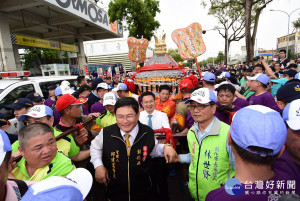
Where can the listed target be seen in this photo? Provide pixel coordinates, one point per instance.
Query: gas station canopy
(59, 20)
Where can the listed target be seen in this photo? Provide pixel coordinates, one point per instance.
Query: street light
(226, 38)
(288, 38)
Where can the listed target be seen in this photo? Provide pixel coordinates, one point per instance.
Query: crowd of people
(237, 128)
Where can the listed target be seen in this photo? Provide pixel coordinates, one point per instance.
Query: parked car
(13, 88)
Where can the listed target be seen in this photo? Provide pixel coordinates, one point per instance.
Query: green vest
(67, 145)
(106, 119)
(212, 169)
(61, 165)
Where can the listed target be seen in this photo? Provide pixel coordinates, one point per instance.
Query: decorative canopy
(161, 59)
(160, 45)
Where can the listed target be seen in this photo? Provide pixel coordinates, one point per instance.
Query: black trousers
(140, 196)
(160, 176)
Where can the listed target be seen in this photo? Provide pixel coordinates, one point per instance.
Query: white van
(13, 88)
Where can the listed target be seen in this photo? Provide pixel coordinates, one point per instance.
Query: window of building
(292, 38)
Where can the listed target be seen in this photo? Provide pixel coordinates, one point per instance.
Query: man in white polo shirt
(151, 117)
(156, 120)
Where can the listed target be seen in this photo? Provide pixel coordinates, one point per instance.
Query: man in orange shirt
(186, 88)
(164, 103)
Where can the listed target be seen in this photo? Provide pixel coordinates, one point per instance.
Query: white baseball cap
(224, 82)
(65, 83)
(291, 114)
(103, 85)
(109, 98)
(63, 89)
(74, 187)
(224, 74)
(202, 96)
(37, 111)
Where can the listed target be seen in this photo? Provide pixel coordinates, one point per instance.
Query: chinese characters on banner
(100, 72)
(137, 49)
(189, 42)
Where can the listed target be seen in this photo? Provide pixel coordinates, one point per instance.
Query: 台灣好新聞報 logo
(233, 187)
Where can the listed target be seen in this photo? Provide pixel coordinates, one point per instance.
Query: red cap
(130, 85)
(194, 80)
(67, 100)
(186, 85)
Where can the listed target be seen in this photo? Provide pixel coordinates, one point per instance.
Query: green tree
(220, 58)
(138, 15)
(191, 62)
(297, 23)
(30, 57)
(37, 56)
(211, 60)
(174, 53)
(65, 57)
(50, 56)
(232, 23)
(202, 63)
(252, 10)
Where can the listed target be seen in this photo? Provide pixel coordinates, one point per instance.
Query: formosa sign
(84, 9)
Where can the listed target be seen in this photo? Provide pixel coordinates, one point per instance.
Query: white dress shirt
(159, 119)
(96, 148)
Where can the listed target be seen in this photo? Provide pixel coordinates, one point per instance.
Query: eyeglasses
(199, 107)
(129, 117)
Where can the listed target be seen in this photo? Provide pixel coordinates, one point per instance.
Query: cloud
(179, 14)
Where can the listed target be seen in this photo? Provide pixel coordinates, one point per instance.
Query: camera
(256, 58)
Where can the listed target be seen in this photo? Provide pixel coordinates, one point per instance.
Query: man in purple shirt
(289, 162)
(239, 102)
(189, 121)
(257, 136)
(101, 89)
(93, 97)
(225, 98)
(258, 84)
(222, 67)
(50, 101)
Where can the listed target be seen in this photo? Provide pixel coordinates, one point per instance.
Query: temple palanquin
(159, 69)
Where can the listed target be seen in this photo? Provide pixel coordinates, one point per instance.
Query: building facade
(111, 51)
(293, 44)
